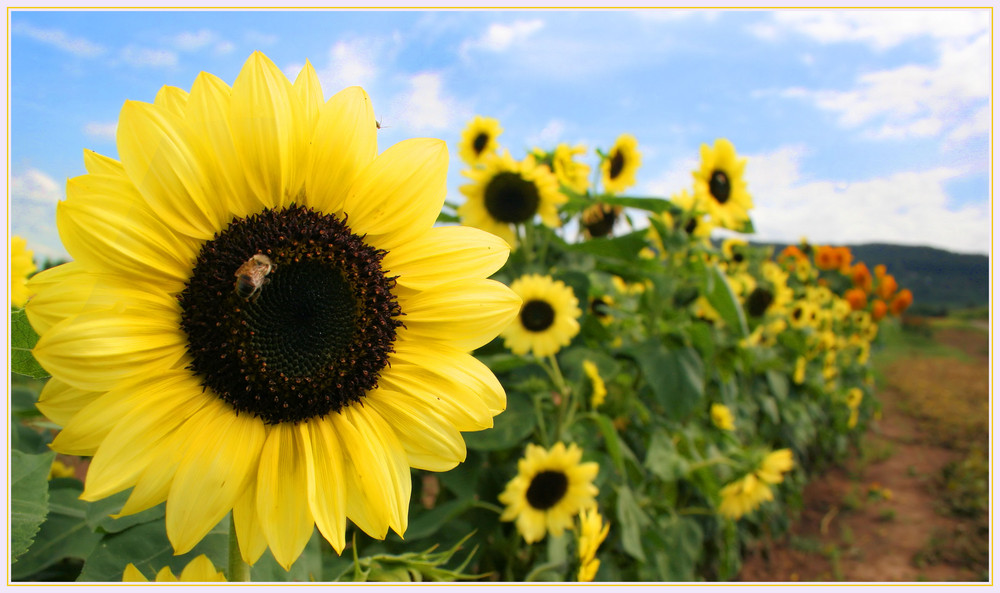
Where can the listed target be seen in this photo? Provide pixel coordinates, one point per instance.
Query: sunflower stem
(541, 420)
(239, 571)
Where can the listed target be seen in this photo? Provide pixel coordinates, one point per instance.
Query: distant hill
(939, 279)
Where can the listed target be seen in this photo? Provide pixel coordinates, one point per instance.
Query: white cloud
(499, 37)
(101, 130)
(257, 38)
(349, 63)
(425, 107)
(142, 57)
(192, 41)
(880, 29)
(33, 197)
(550, 135)
(224, 47)
(906, 208)
(59, 39)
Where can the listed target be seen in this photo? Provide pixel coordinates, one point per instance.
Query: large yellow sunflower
(21, 266)
(719, 182)
(548, 319)
(505, 193)
(550, 489)
(479, 139)
(261, 316)
(623, 160)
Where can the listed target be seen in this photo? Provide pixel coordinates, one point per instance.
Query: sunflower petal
(465, 252)
(310, 93)
(325, 477)
(400, 194)
(431, 442)
(60, 401)
(343, 144)
(217, 468)
(249, 533)
(98, 164)
(172, 99)
(282, 501)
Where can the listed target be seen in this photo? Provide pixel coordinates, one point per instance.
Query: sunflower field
(280, 355)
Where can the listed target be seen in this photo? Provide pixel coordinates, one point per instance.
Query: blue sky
(859, 126)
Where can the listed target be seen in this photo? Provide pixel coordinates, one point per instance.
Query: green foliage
(22, 339)
(29, 498)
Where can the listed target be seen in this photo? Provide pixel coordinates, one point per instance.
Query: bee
(252, 275)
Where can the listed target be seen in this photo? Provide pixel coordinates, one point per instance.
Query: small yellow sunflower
(550, 489)
(623, 160)
(505, 193)
(695, 221)
(599, 220)
(722, 418)
(229, 336)
(598, 390)
(21, 266)
(719, 181)
(593, 531)
(479, 139)
(600, 307)
(854, 397)
(743, 496)
(199, 570)
(571, 173)
(774, 465)
(548, 319)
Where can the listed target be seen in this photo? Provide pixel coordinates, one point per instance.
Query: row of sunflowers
(275, 355)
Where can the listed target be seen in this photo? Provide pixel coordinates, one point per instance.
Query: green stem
(239, 571)
(697, 511)
(710, 462)
(537, 400)
(488, 506)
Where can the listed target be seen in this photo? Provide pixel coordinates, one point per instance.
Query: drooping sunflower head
(259, 305)
(695, 220)
(593, 531)
(479, 139)
(22, 265)
(620, 165)
(570, 172)
(505, 193)
(722, 418)
(599, 220)
(551, 487)
(743, 496)
(719, 181)
(549, 316)
(598, 390)
(774, 465)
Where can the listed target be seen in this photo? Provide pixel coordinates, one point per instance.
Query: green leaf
(632, 521)
(626, 247)
(146, 546)
(656, 205)
(29, 498)
(663, 460)
(64, 534)
(430, 521)
(611, 441)
(778, 382)
(675, 375)
(22, 339)
(510, 427)
(718, 293)
(99, 514)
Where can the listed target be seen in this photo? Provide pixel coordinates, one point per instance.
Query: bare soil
(883, 516)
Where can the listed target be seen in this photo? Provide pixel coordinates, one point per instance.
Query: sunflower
(722, 418)
(572, 174)
(695, 221)
(230, 335)
(901, 302)
(593, 531)
(743, 496)
(199, 570)
(598, 389)
(548, 317)
(599, 220)
(21, 266)
(719, 182)
(550, 488)
(505, 192)
(619, 166)
(479, 139)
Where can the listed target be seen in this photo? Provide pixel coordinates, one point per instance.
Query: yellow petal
(172, 99)
(431, 441)
(168, 162)
(282, 501)
(105, 224)
(388, 480)
(209, 110)
(132, 575)
(98, 164)
(465, 314)
(310, 93)
(201, 570)
(343, 144)
(60, 401)
(465, 253)
(268, 131)
(98, 351)
(47, 307)
(399, 195)
(249, 533)
(216, 470)
(325, 478)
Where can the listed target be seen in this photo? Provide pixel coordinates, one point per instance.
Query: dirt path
(881, 517)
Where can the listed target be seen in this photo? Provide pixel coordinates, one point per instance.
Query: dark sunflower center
(600, 220)
(600, 307)
(719, 187)
(313, 335)
(537, 316)
(547, 489)
(511, 198)
(758, 301)
(738, 257)
(479, 142)
(617, 164)
(692, 225)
